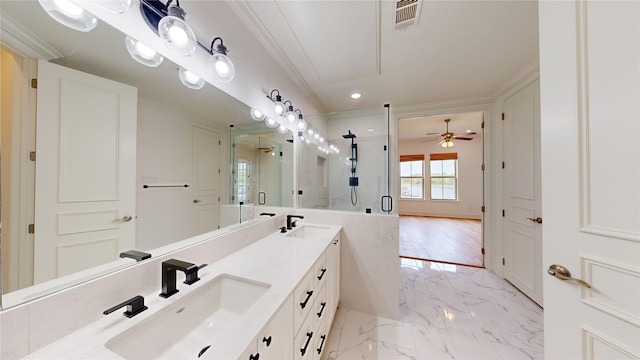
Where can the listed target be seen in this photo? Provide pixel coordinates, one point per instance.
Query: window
(243, 180)
(444, 176)
(411, 176)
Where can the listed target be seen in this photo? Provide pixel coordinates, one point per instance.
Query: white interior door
(85, 171)
(522, 192)
(590, 91)
(205, 180)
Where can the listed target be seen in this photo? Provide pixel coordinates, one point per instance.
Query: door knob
(538, 219)
(196, 201)
(126, 218)
(563, 273)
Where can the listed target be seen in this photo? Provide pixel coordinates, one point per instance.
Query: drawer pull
(322, 274)
(267, 340)
(304, 350)
(254, 357)
(304, 304)
(321, 310)
(323, 337)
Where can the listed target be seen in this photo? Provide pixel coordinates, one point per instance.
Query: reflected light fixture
(176, 33)
(270, 122)
(142, 53)
(115, 6)
(356, 95)
(282, 129)
(257, 115)
(69, 14)
(190, 79)
(278, 106)
(310, 131)
(220, 65)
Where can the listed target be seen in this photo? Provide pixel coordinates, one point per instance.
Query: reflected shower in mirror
(175, 150)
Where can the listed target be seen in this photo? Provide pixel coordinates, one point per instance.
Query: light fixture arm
(277, 98)
(290, 107)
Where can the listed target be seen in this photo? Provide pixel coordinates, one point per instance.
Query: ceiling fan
(447, 137)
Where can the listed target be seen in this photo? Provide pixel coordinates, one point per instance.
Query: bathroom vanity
(273, 299)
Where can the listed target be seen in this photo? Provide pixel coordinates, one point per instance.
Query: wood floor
(457, 241)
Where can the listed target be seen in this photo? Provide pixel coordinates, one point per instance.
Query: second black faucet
(292, 224)
(169, 269)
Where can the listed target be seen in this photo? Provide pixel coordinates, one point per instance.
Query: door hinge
(218, 198)
(34, 83)
(502, 212)
(503, 164)
(218, 171)
(219, 142)
(32, 155)
(482, 250)
(502, 116)
(503, 262)
(483, 209)
(482, 167)
(482, 125)
(31, 229)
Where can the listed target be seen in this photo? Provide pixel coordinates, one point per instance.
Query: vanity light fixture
(282, 129)
(257, 115)
(270, 122)
(174, 30)
(290, 115)
(142, 53)
(115, 6)
(190, 79)
(321, 139)
(310, 131)
(278, 106)
(301, 125)
(220, 65)
(69, 14)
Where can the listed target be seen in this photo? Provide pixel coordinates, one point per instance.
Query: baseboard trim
(443, 262)
(462, 217)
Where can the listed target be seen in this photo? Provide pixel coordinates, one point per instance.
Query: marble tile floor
(446, 312)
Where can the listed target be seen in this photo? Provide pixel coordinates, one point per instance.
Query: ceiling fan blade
(427, 140)
(462, 138)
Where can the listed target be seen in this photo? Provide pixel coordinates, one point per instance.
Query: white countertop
(276, 259)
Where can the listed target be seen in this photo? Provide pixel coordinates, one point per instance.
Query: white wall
(163, 215)
(469, 203)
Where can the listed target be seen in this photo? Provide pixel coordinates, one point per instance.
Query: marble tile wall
(446, 312)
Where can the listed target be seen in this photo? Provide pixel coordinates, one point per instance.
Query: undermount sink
(188, 327)
(309, 231)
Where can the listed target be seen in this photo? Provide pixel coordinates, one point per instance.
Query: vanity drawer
(303, 345)
(320, 307)
(304, 297)
(320, 338)
(320, 271)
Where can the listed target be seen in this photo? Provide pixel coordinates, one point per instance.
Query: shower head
(349, 135)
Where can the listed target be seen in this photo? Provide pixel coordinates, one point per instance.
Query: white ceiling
(458, 49)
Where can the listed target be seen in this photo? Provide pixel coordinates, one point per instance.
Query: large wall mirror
(178, 164)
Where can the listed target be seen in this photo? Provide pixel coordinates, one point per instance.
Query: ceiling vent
(407, 13)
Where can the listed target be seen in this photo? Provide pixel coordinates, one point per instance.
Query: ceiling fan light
(190, 79)
(447, 144)
(176, 33)
(69, 14)
(142, 53)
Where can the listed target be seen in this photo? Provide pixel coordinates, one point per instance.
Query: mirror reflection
(126, 157)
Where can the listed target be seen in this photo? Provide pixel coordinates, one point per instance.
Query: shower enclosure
(350, 170)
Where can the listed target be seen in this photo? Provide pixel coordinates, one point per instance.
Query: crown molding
(20, 40)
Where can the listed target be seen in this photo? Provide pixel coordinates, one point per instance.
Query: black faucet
(268, 214)
(292, 224)
(135, 306)
(169, 268)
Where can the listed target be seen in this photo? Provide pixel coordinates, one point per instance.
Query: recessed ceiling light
(369, 130)
(356, 95)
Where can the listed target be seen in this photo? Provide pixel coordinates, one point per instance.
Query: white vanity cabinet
(333, 280)
(275, 340)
